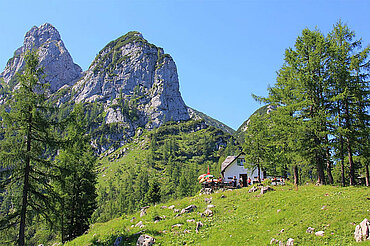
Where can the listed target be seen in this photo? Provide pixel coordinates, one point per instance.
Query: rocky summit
(129, 70)
(130, 84)
(58, 64)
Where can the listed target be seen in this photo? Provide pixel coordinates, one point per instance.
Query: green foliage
(76, 186)
(321, 95)
(173, 156)
(28, 139)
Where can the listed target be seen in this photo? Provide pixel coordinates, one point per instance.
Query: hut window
(240, 162)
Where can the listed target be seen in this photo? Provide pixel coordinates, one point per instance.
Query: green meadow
(242, 218)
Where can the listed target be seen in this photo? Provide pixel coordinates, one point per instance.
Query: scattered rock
(362, 231)
(210, 206)
(190, 221)
(118, 241)
(279, 210)
(208, 200)
(163, 207)
(176, 225)
(176, 210)
(171, 207)
(253, 189)
(143, 211)
(290, 242)
(323, 207)
(265, 189)
(188, 209)
(186, 231)
(282, 230)
(223, 196)
(310, 230)
(132, 220)
(157, 218)
(145, 240)
(139, 224)
(198, 226)
(320, 233)
(206, 191)
(207, 213)
(275, 241)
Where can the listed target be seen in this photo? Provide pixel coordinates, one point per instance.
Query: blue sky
(224, 50)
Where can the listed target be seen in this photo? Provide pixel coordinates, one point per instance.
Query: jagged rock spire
(59, 67)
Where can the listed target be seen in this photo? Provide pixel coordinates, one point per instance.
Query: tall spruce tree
(28, 141)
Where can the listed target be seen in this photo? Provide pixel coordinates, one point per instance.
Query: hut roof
(228, 161)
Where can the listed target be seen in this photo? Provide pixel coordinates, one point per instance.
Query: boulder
(210, 206)
(265, 189)
(176, 225)
(310, 230)
(362, 231)
(139, 224)
(290, 242)
(198, 226)
(207, 213)
(320, 233)
(253, 189)
(188, 209)
(145, 240)
(208, 200)
(143, 211)
(171, 207)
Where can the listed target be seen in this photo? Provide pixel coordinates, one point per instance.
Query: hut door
(244, 178)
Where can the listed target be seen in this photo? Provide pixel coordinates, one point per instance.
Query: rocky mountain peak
(132, 70)
(58, 64)
(40, 35)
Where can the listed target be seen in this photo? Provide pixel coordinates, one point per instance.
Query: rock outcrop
(58, 64)
(130, 72)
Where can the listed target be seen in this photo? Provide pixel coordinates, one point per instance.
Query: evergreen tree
(28, 141)
(153, 195)
(76, 186)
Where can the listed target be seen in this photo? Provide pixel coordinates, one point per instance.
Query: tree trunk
(328, 166)
(342, 161)
(296, 177)
(259, 172)
(351, 164)
(319, 164)
(27, 168)
(349, 148)
(367, 175)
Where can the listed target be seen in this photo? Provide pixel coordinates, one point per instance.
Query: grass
(242, 218)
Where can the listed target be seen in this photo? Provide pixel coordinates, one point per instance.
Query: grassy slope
(243, 218)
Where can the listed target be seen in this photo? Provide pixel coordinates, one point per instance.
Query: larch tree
(27, 143)
(349, 72)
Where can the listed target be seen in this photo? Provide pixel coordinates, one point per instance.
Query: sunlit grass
(242, 218)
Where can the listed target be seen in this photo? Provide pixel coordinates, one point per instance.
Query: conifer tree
(28, 141)
(349, 73)
(77, 179)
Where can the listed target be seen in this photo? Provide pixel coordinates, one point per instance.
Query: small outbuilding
(235, 166)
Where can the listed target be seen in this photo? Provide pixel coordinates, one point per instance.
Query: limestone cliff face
(54, 57)
(131, 73)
